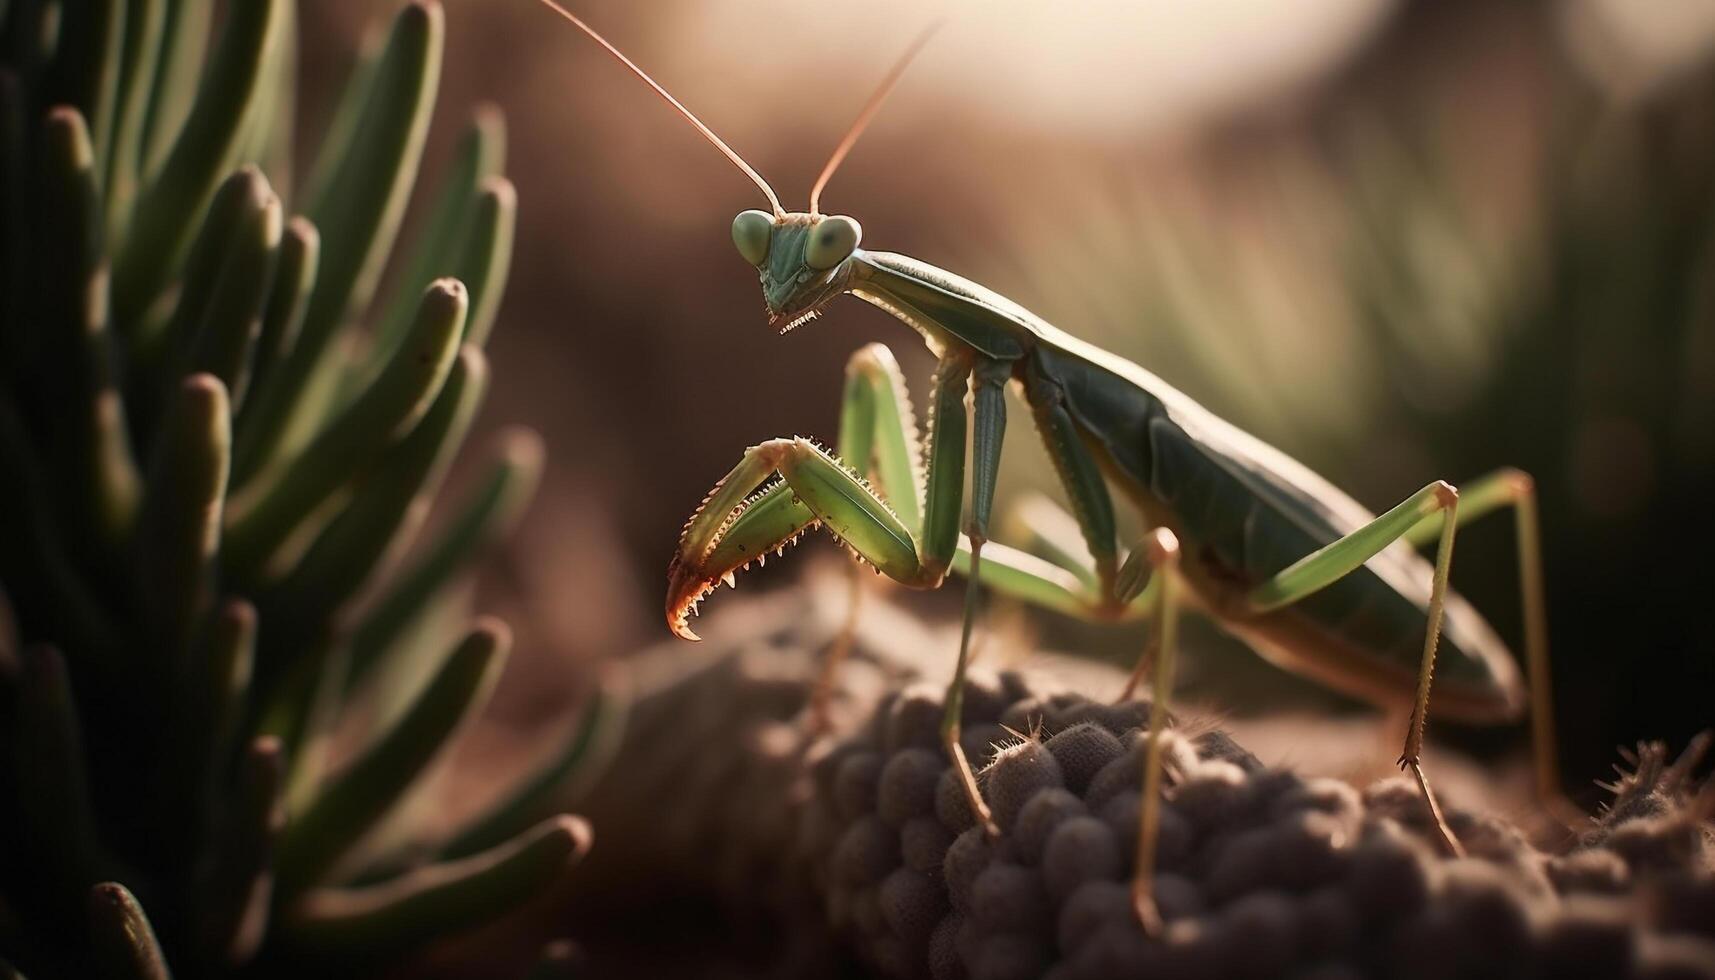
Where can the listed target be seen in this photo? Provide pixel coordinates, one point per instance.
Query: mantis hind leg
(1515, 489)
(1438, 501)
(1434, 514)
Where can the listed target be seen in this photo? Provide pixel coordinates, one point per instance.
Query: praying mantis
(1270, 551)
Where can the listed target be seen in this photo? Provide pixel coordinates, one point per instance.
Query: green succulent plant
(213, 475)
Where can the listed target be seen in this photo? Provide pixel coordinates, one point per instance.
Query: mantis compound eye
(831, 240)
(751, 231)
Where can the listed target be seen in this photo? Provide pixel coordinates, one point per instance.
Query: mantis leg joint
(1446, 494)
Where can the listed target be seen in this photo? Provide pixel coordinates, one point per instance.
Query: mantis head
(804, 260)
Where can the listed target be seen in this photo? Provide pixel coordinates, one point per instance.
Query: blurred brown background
(1402, 241)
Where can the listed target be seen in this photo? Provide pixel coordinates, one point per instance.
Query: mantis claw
(683, 594)
(689, 583)
(728, 532)
(803, 486)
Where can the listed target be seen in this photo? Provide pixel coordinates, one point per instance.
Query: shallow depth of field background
(1401, 241)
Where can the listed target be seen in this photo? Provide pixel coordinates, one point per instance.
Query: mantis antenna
(882, 91)
(690, 117)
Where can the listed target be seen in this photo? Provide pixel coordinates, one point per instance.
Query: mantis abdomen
(1245, 513)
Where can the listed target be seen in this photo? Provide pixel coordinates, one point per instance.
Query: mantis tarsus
(1269, 550)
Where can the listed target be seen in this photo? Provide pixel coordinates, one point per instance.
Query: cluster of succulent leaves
(217, 443)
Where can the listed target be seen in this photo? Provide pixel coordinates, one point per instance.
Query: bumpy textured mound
(864, 838)
(1262, 873)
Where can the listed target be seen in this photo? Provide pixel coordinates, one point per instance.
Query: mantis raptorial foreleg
(816, 487)
(905, 525)
(879, 440)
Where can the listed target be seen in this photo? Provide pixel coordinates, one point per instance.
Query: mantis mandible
(1273, 553)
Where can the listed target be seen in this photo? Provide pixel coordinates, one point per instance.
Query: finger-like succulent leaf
(238, 891)
(224, 681)
(77, 410)
(273, 128)
(86, 64)
(382, 919)
(66, 233)
(387, 507)
(229, 328)
(202, 733)
(122, 940)
(52, 781)
(359, 206)
(205, 149)
(53, 598)
(262, 418)
(144, 22)
(288, 296)
(487, 255)
(357, 797)
(486, 515)
(480, 155)
(296, 689)
(269, 511)
(216, 318)
(157, 342)
(184, 35)
(178, 530)
(593, 736)
(342, 133)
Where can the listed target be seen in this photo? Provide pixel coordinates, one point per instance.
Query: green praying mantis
(1272, 552)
